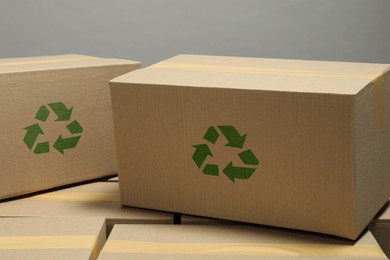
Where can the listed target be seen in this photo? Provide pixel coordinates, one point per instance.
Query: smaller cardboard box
(289, 143)
(99, 199)
(51, 238)
(56, 121)
(231, 242)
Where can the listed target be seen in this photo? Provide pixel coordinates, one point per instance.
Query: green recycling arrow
(248, 157)
(234, 139)
(61, 144)
(211, 135)
(42, 148)
(233, 172)
(232, 135)
(62, 112)
(211, 169)
(66, 143)
(42, 114)
(201, 153)
(75, 127)
(33, 131)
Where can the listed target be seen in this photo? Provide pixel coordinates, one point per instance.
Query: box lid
(56, 62)
(258, 74)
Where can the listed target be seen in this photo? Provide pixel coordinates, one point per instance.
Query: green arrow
(211, 135)
(75, 127)
(42, 114)
(33, 131)
(248, 157)
(211, 169)
(42, 148)
(62, 112)
(232, 135)
(201, 153)
(233, 172)
(66, 143)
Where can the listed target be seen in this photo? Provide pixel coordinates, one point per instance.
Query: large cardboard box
(231, 242)
(100, 199)
(51, 238)
(289, 143)
(56, 121)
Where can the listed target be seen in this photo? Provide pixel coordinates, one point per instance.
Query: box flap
(69, 61)
(260, 74)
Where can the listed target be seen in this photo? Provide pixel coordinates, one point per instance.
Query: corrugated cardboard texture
(81, 84)
(99, 199)
(300, 121)
(51, 238)
(231, 242)
(372, 149)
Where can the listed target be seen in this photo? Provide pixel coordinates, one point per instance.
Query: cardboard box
(99, 199)
(51, 238)
(56, 121)
(231, 242)
(289, 143)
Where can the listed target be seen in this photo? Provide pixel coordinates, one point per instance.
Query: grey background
(149, 31)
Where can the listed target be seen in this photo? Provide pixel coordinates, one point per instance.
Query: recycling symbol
(61, 144)
(234, 140)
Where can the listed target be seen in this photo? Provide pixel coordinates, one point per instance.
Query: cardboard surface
(56, 121)
(298, 144)
(231, 242)
(100, 199)
(51, 238)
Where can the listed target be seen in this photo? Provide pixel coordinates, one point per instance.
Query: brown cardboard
(100, 199)
(51, 238)
(319, 130)
(231, 242)
(76, 86)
